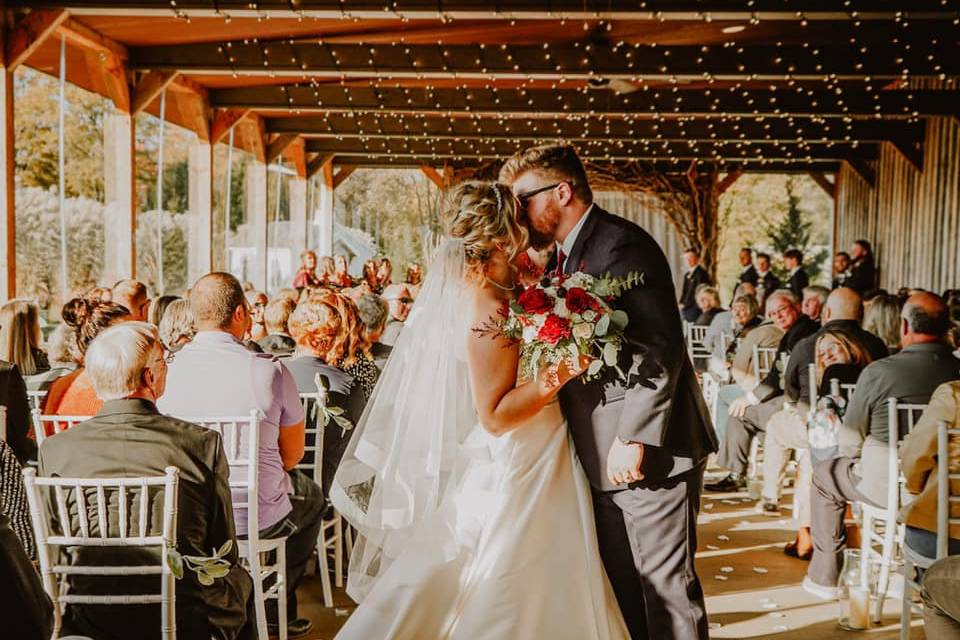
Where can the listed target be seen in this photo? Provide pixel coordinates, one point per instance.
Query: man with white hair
(130, 438)
(132, 294)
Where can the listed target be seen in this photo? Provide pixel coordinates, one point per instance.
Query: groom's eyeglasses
(524, 197)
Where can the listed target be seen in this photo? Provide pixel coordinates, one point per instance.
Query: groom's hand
(624, 461)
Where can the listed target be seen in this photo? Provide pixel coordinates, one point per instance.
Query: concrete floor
(760, 597)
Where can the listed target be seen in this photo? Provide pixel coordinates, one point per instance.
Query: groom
(643, 443)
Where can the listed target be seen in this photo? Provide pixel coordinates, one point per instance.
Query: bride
(474, 516)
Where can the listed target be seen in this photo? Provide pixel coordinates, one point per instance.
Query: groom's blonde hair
(555, 162)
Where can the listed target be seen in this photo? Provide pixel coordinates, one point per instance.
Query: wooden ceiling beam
(279, 145)
(824, 183)
(30, 33)
(659, 10)
(554, 61)
(83, 36)
(223, 121)
(296, 153)
(595, 103)
(433, 175)
(256, 136)
(150, 86)
(317, 163)
(342, 174)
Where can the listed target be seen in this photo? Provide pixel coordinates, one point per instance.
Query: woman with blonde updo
(447, 508)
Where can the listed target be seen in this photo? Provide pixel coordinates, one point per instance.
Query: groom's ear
(564, 193)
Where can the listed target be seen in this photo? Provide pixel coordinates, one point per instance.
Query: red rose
(534, 300)
(578, 300)
(554, 329)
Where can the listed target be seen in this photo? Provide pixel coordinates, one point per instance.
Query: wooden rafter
(279, 145)
(343, 172)
(824, 183)
(318, 162)
(223, 121)
(149, 87)
(728, 181)
(432, 174)
(256, 136)
(30, 33)
(296, 153)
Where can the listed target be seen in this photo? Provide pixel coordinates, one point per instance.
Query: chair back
(844, 390)
(812, 382)
(241, 444)
(3, 422)
(91, 498)
(901, 420)
(36, 398)
(694, 336)
(763, 359)
(314, 402)
(945, 495)
(57, 424)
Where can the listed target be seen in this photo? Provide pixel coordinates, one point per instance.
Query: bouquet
(563, 317)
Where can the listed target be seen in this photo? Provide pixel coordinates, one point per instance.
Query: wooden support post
(728, 181)
(8, 212)
(148, 88)
(256, 136)
(824, 183)
(119, 164)
(279, 145)
(200, 187)
(325, 210)
(433, 175)
(318, 163)
(224, 121)
(255, 190)
(343, 173)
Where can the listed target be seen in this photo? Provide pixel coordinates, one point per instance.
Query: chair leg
(866, 535)
(885, 563)
(905, 604)
(281, 570)
(323, 566)
(253, 563)
(338, 550)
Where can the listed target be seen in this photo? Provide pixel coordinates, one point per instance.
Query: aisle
(760, 596)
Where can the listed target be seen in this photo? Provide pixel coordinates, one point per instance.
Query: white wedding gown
(512, 556)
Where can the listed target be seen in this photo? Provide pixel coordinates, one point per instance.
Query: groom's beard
(538, 240)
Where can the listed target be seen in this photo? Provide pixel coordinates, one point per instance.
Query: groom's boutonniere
(566, 316)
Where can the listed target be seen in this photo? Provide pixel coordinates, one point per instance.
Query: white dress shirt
(567, 245)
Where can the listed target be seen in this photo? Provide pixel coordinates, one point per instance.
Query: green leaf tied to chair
(207, 568)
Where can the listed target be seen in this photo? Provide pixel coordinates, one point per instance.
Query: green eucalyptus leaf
(610, 355)
(225, 548)
(619, 319)
(175, 562)
(594, 368)
(603, 325)
(204, 579)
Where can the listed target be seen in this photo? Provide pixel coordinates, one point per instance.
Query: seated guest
(882, 319)
(399, 301)
(20, 337)
(385, 274)
(130, 438)
(767, 282)
(369, 276)
(814, 297)
(59, 356)
(257, 301)
(99, 294)
(841, 270)
(351, 355)
(798, 279)
(306, 276)
(750, 413)
(695, 276)
(918, 459)
(132, 295)
(708, 301)
(290, 294)
(940, 592)
(341, 272)
(13, 504)
(215, 375)
(25, 608)
(176, 328)
(275, 317)
(374, 313)
(860, 473)
(158, 308)
(414, 278)
(73, 394)
(725, 323)
(320, 336)
(326, 268)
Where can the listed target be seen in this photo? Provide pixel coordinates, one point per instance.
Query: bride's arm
(502, 405)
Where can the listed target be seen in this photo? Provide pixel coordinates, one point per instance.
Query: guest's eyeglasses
(524, 198)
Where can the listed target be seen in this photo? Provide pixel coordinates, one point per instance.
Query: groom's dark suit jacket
(661, 404)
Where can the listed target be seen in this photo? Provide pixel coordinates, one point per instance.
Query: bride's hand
(553, 377)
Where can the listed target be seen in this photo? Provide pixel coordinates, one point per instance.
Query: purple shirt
(216, 376)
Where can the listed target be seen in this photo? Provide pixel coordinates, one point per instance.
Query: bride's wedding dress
(526, 562)
(464, 535)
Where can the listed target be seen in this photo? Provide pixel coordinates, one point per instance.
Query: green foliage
(793, 231)
(175, 235)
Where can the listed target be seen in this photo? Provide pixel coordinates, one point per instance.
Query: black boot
(730, 483)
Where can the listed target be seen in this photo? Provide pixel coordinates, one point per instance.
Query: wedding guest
(940, 592)
(320, 336)
(798, 279)
(814, 297)
(385, 274)
(341, 274)
(25, 608)
(275, 317)
(841, 270)
(306, 275)
(290, 294)
(374, 313)
(724, 322)
(127, 368)
(919, 461)
(767, 282)
(158, 307)
(59, 356)
(176, 328)
(13, 396)
(750, 413)
(99, 294)
(235, 381)
(370, 269)
(860, 472)
(882, 319)
(695, 276)
(863, 272)
(748, 273)
(73, 394)
(708, 300)
(132, 294)
(399, 302)
(20, 337)
(350, 354)
(414, 278)
(326, 268)
(258, 303)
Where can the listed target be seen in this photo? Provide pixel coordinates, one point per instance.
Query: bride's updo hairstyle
(484, 216)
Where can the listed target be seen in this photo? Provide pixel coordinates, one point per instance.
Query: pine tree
(793, 232)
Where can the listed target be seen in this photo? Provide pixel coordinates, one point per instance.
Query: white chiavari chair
(881, 534)
(3, 422)
(763, 360)
(946, 499)
(92, 528)
(695, 335)
(56, 424)
(241, 444)
(36, 398)
(331, 538)
(844, 390)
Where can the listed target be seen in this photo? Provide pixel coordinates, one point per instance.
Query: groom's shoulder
(619, 229)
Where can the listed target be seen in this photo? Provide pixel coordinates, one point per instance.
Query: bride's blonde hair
(484, 216)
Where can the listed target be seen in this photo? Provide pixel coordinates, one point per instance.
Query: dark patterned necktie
(561, 261)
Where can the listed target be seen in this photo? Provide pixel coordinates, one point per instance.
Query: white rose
(529, 333)
(582, 331)
(560, 308)
(589, 315)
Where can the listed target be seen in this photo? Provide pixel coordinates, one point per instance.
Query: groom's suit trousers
(648, 541)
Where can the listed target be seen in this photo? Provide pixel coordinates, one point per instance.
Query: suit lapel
(576, 253)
